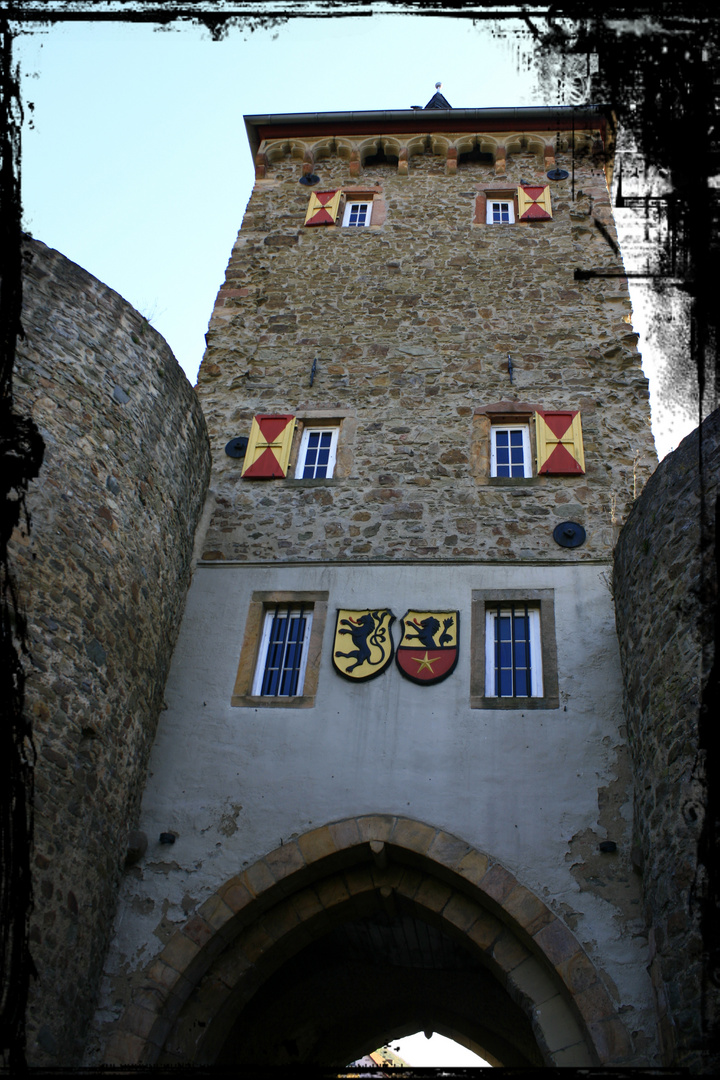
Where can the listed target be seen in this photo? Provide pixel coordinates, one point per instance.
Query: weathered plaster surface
(232, 783)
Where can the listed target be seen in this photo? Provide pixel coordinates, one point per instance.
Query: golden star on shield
(424, 662)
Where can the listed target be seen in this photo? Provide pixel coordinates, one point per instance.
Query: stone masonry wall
(103, 578)
(661, 604)
(422, 308)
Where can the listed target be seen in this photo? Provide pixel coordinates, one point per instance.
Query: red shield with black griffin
(428, 649)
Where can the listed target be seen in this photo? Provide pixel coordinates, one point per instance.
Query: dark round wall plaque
(237, 447)
(569, 534)
(558, 174)
(309, 179)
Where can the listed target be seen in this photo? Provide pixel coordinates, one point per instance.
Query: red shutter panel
(268, 451)
(534, 202)
(323, 208)
(559, 443)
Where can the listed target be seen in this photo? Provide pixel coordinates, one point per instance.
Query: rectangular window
(283, 652)
(513, 658)
(357, 213)
(280, 657)
(513, 654)
(510, 451)
(499, 211)
(316, 457)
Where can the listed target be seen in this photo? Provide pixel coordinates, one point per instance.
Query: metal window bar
(284, 653)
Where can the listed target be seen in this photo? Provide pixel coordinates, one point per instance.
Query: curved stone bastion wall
(665, 585)
(103, 577)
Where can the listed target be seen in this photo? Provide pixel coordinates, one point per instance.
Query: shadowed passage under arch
(364, 930)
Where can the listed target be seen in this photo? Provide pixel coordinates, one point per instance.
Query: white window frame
(290, 611)
(302, 452)
(489, 217)
(527, 459)
(348, 212)
(536, 678)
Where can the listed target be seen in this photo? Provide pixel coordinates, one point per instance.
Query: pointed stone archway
(363, 930)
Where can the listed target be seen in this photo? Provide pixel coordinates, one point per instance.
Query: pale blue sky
(135, 158)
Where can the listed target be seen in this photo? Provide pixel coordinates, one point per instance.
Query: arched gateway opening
(361, 931)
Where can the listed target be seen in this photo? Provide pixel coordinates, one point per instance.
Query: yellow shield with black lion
(362, 646)
(428, 649)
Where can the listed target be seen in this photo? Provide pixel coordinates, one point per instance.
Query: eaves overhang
(409, 121)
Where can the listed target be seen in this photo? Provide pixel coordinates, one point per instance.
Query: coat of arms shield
(428, 649)
(362, 646)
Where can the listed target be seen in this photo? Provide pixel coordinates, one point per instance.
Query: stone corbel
(451, 162)
(261, 165)
(355, 165)
(308, 165)
(549, 156)
(500, 159)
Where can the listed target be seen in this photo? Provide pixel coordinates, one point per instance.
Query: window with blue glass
(316, 457)
(510, 451)
(282, 658)
(357, 213)
(513, 660)
(500, 211)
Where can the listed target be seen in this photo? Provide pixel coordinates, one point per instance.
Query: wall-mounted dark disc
(308, 179)
(569, 534)
(558, 174)
(237, 447)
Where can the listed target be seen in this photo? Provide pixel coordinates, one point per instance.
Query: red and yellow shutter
(323, 208)
(559, 443)
(534, 203)
(268, 450)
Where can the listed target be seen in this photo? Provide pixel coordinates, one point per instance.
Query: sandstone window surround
(500, 211)
(281, 651)
(533, 616)
(487, 421)
(357, 214)
(341, 422)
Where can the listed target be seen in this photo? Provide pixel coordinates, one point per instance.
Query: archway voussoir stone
(361, 879)
(331, 892)
(409, 883)
(138, 1021)
(433, 894)
(280, 920)
(558, 1026)
(448, 850)
(165, 980)
(485, 931)
(216, 912)
(306, 903)
(316, 845)
(578, 974)
(412, 835)
(460, 911)
(556, 942)
(285, 860)
(198, 930)
(508, 952)
(594, 1003)
(376, 826)
(235, 894)
(258, 878)
(573, 1057)
(530, 980)
(498, 883)
(179, 952)
(527, 910)
(345, 834)
(473, 867)
(256, 941)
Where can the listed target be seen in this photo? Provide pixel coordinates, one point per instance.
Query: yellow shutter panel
(268, 450)
(323, 208)
(534, 202)
(559, 443)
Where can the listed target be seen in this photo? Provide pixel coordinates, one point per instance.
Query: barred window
(513, 658)
(282, 658)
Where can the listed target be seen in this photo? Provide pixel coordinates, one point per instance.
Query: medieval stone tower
(390, 788)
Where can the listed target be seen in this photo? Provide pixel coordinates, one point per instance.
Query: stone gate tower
(391, 789)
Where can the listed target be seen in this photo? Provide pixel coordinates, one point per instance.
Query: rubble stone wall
(103, 576)
(665, 587)
(425, 306)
